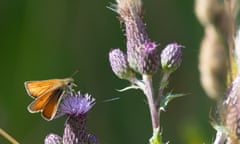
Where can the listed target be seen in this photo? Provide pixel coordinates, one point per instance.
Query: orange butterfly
(47, 95)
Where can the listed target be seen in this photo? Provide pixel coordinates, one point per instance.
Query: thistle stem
(163, 85)
(75, 130)
(148, 91)
(220, 138)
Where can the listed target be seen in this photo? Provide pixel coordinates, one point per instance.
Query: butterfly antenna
(74, 73)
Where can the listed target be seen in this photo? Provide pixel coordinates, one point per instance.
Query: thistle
(142, 53)
(171, 57)
(119, 64)
(76, 107)
(143, 58)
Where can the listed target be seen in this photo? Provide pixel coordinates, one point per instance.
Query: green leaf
(166, 99)
(129, 87)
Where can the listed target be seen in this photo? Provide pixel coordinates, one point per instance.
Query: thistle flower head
(119, 64)
(76, 104)
(142, 54)
(145, 59)
(126, 7)
(76, 107)
(171, 57)
(130, 12)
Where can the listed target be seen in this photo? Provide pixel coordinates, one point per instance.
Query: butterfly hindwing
(51, 106)
(38, 104)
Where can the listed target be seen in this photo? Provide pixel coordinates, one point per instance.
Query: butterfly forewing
(38, 88)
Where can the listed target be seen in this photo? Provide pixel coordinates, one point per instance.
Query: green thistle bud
(171, 57)
(119, 64)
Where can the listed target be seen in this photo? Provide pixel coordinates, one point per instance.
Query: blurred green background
(44, 39)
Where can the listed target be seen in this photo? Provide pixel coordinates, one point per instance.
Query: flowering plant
(143, 59)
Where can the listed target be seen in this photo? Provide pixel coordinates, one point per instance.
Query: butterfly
(47, 95)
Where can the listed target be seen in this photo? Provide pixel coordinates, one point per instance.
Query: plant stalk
(162, 86)
(155, 116)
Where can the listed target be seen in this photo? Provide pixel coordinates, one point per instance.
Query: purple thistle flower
(171, 57)
(76, 107)
(119, 64)
(142, 54)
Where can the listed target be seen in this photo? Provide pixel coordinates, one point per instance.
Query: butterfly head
(69, 83)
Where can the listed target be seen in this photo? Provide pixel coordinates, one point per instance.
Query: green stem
(163, 85)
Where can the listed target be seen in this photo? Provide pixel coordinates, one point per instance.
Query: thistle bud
(171, 57)
(53, 139)
(92, 139)
(142, 54)
(145, 60)
(119, 64)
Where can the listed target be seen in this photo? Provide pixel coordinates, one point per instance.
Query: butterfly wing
(39, 103)
(39, 88)
(51, 106)
(47, 95)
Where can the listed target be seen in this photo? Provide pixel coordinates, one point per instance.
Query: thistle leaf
(166, 99)
(128, 88)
